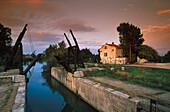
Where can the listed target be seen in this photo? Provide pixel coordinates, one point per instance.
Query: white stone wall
(102, 98)
(107, 60)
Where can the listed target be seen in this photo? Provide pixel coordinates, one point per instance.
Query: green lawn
(151, 77)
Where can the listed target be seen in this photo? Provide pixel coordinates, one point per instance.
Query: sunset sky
(93, 22)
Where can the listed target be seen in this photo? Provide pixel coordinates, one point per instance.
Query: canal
(45, 94)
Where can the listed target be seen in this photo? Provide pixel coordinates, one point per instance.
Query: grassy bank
(151, 77)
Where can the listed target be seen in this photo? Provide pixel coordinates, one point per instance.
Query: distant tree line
(61, 50)
(5, 44)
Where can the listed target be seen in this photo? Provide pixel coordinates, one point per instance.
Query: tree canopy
(51, 51)
(5, 43)
(167, 57)
(130, 38)
(86, 55)
(148, 53)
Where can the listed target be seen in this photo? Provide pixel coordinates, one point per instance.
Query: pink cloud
(163, 12)
(161, 3)
(30, 11)
(158, 37)
(130, 5)
(75, 25)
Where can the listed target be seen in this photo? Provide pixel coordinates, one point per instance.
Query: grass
(150, 77)
(1, 68)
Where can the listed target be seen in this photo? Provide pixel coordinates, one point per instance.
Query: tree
(130, 38)
(51, 51)
(5, 43)
(148, 53)
(167, 57)
(86, 55)
(33, 55)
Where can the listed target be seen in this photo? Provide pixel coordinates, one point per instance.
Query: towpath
(154, 65)
(135, 90)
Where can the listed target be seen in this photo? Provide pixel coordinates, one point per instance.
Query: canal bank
(103, 98)
(12, 91)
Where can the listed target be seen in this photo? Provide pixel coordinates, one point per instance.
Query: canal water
(45, 94)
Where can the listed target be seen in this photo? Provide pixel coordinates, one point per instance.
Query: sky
(93, 22)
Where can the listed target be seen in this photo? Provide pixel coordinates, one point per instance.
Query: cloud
(162, 3)
(30, 11)
(32, 2)
(124, 9)
(163, 12)
(91, 44)
(40, 40)
(158, 37)
(44, 37)
(11, 21)
(130, 5)
(75, 25)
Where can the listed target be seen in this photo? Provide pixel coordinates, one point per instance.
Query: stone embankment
(18, 82)
(103, 98)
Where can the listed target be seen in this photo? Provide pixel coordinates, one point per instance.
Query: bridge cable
(30, 41)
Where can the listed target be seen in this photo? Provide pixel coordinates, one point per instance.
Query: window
(105, 47)
(105, 54)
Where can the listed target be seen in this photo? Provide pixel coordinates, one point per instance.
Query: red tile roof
(114, 45)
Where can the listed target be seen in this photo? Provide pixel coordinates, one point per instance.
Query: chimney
(112, 43)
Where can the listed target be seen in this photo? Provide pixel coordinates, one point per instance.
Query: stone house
(112, 54)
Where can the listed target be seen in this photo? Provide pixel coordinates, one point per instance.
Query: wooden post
(21, 59)
(78, 56)
(71, 48)
(130, 53)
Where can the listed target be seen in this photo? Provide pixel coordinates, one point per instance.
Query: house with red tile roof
(112, 54)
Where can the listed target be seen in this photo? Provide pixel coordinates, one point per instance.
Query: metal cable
(30, 40)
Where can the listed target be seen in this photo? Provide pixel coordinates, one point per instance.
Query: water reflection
(73, 102)
(45, 94)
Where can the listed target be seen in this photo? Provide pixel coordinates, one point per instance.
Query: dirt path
(154, 65)
(135, 90)
(8, 92)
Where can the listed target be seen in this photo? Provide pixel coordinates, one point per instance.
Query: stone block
(19, 78)
(112, 69)
(18, 110)
(123, 68)
(86, 66)
(20, 98)
(96, 64)
(2, 73)
(78, 74)
(69, 76)
(12, 72)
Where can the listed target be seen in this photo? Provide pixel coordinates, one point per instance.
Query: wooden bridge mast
(18, 43)
(76, 55)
